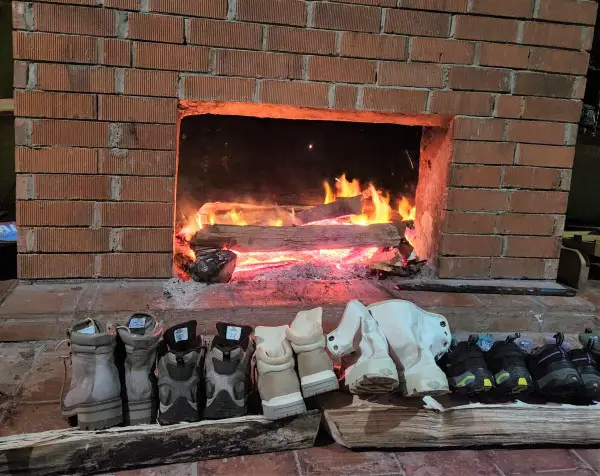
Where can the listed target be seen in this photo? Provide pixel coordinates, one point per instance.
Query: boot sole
(224, 406)
(284, 406)
(416, 385)
(321, 382)
(96, 416)
(138, 413)
(373, 376)
(181, 410)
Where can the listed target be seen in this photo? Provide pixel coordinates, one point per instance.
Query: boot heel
(422, 380)
(284, 406)
(316, 384)
(372, 376)
(138, 413)
(100, 416)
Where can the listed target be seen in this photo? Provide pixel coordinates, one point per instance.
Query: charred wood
(340, 208)
(295, 238)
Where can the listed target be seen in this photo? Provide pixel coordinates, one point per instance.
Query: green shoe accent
(501, 376)
(465, 380)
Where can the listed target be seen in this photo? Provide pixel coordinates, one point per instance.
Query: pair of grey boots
(112, 379)
(115, 373)
(203, 378)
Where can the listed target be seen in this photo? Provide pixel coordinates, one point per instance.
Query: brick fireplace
(100, 87)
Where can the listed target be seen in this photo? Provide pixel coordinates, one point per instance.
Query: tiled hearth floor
(31, 373)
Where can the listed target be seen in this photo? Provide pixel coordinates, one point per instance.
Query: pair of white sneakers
(398, 345)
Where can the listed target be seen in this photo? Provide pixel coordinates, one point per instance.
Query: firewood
(250, 213)
(72, 451)
(341, 207)
(212, 266)
(295, 238)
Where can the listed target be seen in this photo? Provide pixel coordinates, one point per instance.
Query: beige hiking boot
(314, 365)
(95, 391)
(278, 384)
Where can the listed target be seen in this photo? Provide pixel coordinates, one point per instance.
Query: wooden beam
(295, 238)
(84, 452)
(394, 422)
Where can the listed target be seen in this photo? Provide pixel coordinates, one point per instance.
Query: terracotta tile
(125, 296)
(446, 463)
(277, 464)
(528, 461)
(575, 303)
(428, 299)
(590, 455)
(23, 418)
(45, 380)
(15, 362)
(183, 469)
(337, 460)
(498, 300)
(42, 299)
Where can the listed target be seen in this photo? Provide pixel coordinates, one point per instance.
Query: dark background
(234, 158)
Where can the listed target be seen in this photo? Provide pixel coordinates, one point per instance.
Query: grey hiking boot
(227, 372)
(138, 342)
(180, 368)
(95, 393)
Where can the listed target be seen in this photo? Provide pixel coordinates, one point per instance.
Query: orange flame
(406, 210)
(376, 209)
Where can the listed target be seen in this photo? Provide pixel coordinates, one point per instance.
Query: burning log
(221, 212)
(295, 238)
(341, 207)
(210, 266)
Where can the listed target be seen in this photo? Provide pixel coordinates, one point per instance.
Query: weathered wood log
(394, 422)
(212, 265)
(85, 452)
(290, 238)
(341, 207)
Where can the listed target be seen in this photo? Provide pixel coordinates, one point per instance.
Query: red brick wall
(98, 83)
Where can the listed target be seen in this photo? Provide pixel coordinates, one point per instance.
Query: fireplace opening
(265, 198)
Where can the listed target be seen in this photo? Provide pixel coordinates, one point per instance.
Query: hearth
(276, 198)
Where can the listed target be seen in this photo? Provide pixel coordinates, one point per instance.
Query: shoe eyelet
(335, 347)
(330, 338)
(443, 324)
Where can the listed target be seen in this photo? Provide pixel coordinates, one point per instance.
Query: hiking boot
(180, 367)
(506, 361)
(373, 371)
(417, 338)
(587, 367)
(95, 392)
(227, 372)
(591, 340)
(278, 383)
(553, 372)
(139, 341)
(308, 342)
(467, 369)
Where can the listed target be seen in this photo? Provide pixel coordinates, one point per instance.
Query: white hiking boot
(314, 365)
(278, 384)
(374, 371)
(416, 339)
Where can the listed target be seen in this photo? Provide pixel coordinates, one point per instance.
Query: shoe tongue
(232, 335)
(182, 337)
(139, 323)
(88, 327)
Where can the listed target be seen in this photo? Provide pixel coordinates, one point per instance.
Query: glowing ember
(376, 209)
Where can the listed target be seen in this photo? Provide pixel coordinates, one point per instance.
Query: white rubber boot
(416, 339)
(314, 365)
(278, 384)
(374, 371)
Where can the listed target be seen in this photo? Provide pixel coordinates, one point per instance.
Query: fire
(406, 210)
(377, 208)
